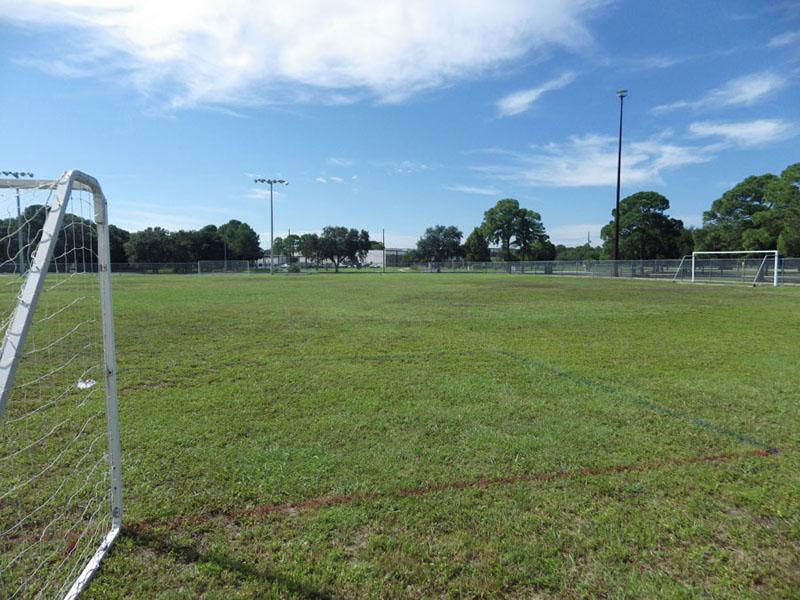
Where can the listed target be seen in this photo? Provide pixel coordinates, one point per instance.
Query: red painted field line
(329, 501)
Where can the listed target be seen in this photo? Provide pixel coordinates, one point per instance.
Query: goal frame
(17, 330)
(765, 253)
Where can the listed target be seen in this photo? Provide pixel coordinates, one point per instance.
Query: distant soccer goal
(753, 267)
(208, 267)
(60, 471)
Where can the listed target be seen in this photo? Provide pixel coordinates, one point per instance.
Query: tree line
(517, 231)
(762, 212)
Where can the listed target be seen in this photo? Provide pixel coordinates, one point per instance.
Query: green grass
(583, 408)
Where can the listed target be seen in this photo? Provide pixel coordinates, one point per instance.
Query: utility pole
(271, 182)
(621, 94)
(17, 175)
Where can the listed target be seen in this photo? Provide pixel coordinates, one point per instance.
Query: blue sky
(398, 114)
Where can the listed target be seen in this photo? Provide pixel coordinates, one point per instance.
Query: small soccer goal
(60, 472)
(752, 267)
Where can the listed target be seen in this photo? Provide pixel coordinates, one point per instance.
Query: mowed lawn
(437, 435)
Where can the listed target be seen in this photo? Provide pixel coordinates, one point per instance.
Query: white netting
(54, 477)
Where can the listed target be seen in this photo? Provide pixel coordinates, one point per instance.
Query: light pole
(17, 175)
(271, 182)
(621, 94)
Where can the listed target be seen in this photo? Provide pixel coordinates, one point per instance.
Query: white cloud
(321, 180)
(745, 133)
(785, 39)
(338, 161)
(519, 102)
(742, 91)
(591, 160)
(576, 235)
(335, 179)
(249, 51)
(402, 167)
(469, 189)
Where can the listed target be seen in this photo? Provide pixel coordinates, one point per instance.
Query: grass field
(455, 435)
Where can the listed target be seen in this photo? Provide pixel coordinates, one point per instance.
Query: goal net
(60, 483)
(754, 267)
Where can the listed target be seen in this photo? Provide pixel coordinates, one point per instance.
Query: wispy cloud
(745, 133)
(521, 101)
(335, 179)
(338, 161)
(591, 160)
(253, 52)
(742, 91)
(401, 167)
(576, 235)
(321, 180)
(785, 39)
(469, 189)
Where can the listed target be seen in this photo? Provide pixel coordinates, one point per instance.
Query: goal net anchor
(51, 411)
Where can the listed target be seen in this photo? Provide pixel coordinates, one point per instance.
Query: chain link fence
(708, 270)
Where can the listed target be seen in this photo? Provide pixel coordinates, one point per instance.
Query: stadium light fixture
(270, 183)
(18, 175)
(621, 94)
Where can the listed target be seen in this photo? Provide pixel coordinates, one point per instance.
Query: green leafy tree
(309, 247)
(645, 231)
(277, 247)
(742, 218)
(500, 225)
(338, 244)
(530, 236)
(117, 238)
(151, 245)
(241, 239)
(585, 252)
(291, 245)
(208, 245)
(476, 248)
(440, 243)
(784, 195)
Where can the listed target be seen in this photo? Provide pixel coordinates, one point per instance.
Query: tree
(440, 243)
(208, 245)
(241, 239)
(117, 238)
(277, 247)
(151, 245)
(340, 243)
(291, 245)
(740, 218)
(645, 231)
(499, 225)
(585, 252)
(309, 246)
(476, 248)
(784, 195)
(530, 237)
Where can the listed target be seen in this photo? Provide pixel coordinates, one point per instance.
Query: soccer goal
(746, 266)
(60, 478)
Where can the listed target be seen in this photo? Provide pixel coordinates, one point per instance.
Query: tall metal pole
(383, 241)
(271, 233)
(19, 238)
(271, 182)
(621, 94)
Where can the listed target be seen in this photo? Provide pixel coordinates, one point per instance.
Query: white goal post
(768, 256)
(60, 459)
